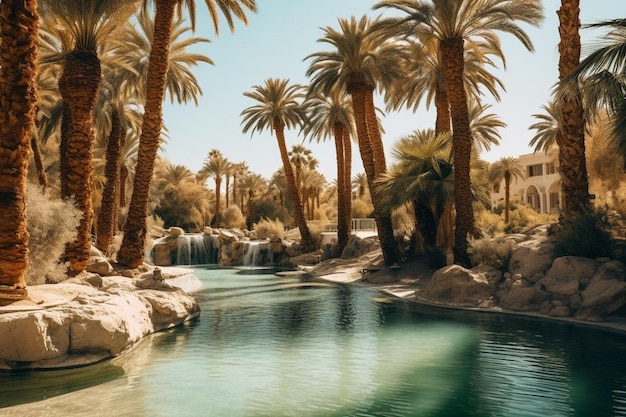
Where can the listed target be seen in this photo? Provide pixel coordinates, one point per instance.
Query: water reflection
(268, 345)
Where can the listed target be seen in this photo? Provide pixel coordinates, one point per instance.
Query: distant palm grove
(82, 88)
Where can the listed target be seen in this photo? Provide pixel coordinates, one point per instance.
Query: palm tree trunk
(373, 128)
(41, 172)
(298, 211)
(18, 60)
(132, 251)
(347, 153)
(105, 227)
(218, 186)
(359, 91)
(571, 136)
(342, 224)
(452, 54)
(227, 193)
(79, 86)
(507, 196)
(442, 123)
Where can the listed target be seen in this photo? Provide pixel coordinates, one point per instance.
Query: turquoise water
(269, 345)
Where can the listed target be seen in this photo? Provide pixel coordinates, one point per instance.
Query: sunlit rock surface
(75, 323)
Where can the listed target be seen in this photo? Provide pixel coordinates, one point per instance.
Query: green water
(268, 345)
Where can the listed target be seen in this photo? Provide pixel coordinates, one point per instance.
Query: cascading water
(196, 249)
(256, 253)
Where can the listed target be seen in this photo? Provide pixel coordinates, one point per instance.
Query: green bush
(51, 223)
(587, 235)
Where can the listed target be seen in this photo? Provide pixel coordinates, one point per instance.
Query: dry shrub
(267, 228)
(51, 223)
(361, 209)
(232, 217)
(493, 252)
(490, 224)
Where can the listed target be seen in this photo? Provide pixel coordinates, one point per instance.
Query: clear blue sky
(284, 32)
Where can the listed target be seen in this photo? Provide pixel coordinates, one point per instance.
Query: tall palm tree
(571, 136)
(215, 165)
(360, 61)
(506, 169)
(90, 24)
(484, 127)
(18, 98)
(278, 106)
(453, 23)
(424, 78)
(132, 250)
(333, 116)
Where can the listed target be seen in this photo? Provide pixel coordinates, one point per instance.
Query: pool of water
(270, 345)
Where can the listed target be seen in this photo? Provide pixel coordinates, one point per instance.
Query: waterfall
(256, 253)
(196, 249)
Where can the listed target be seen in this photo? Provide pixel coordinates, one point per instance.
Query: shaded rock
(602, 298)
(457, 286)
(532, 258)
(522, 298)
(358, 246)
(492, 274)
(560, 311)
(568, 275)
(610, 270)
(100, 266)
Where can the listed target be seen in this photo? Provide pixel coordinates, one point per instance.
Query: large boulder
(90, 324)
(569, 275)
(522, 298)
(602, 297)
(532, 258)
(454, 285)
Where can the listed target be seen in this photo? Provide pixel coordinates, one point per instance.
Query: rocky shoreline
(90, 318)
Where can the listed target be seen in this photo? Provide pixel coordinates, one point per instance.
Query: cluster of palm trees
(78, 59)
(91, 55)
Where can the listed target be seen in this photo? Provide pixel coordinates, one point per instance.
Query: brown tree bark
(131, 252)
(18, 59)
(78, 85)
(571, 135)
(453, 64)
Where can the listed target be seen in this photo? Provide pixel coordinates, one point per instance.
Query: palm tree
(507, 169)
(423, 177)
(333, 116)
(239, 170)
(215, 165)
(359, 183)
(279, 107)
(299, 156)
(571, 136)
(484, 127)
(362, 60)
(18, 61)
(547, 128)
(424, 78)
(132, 250)
(90, 24)
(250, 184)
(453, 23)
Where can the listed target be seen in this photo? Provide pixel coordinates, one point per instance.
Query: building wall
(539, 189)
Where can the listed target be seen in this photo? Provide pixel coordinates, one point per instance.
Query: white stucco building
(540, 188)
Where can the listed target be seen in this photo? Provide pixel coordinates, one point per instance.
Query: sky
(283, 33)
